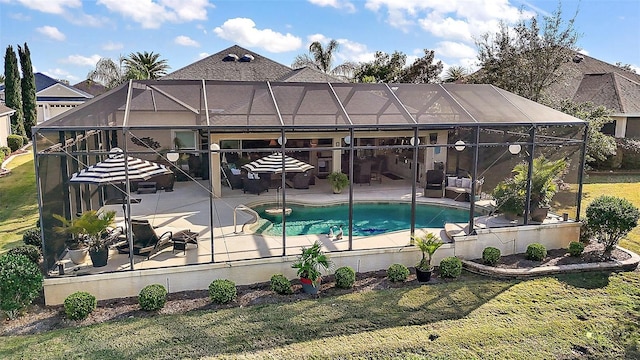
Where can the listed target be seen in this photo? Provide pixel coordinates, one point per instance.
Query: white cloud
(51, 6)
(636, 69)
(51, 32)
(112, 46)
(58, 73)
(244, 32)
(82, 60)
(151, 14)
(20, 17)
(203, 55)
(338, 4)
(185, 41)
(347, 50)
(452, 49)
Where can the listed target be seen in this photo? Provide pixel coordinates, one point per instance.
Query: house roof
(5, 110)
(308, 74)
(261, 106)
(91, 87)
(222, 66)
(584, 76)
(49, 89)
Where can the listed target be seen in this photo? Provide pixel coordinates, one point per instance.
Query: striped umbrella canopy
(112, 170)
(273, 164)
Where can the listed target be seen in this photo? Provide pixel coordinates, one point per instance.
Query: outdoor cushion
(466, 183)
(451, 181)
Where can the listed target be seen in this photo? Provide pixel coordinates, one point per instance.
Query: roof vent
(247, 58)
(230, 57)
(578, 58)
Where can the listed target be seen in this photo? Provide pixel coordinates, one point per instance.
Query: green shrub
(15, 142)
(32, 237)
(609, 219)
(397, 272)
(221, 291)
(2, 156)
(536, 252)
(152, 297)
(79, 305)
(345, 277)
(450, 267)
(30, 251)
(576, 248)
(491, 255)
(280, 284)
(20, 283)
(5, 150)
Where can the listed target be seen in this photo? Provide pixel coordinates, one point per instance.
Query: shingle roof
(91, 87)
(307, 74)
(44, 82)
(213, 67)
(589, 79)
(5, 109)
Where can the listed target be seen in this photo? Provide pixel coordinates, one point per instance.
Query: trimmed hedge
(397, 272)
(30, 251)
(491, 255)
(536, 252)
(32, 237)
(576, 248)
(280, 284)
(222, 291)
(345, 277)
(152, 297)
(20, 283)
(15, 142)
(450, 267)
(5, 150)
(79, 305)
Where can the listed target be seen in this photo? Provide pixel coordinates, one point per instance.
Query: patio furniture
(147, 187)
(301, 181)
(234, 180)
(434, 186)
(459, 189)
(364, 173)
(146, 241)
(182, 238)
(254, 186)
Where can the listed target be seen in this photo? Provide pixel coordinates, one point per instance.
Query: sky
(67, 37)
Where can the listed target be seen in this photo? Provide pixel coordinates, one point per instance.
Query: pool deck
(185, 208)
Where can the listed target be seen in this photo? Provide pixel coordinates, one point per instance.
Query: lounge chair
(301, 181)
(146, 241)
(434, 184)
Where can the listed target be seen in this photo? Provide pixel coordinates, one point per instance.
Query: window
(184, 139)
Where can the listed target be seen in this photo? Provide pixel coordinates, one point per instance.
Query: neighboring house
(54, 98)
(5, 123)
(239, 64)
(589, 79)
(91, 87)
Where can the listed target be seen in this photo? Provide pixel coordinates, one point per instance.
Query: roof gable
(307, 74)
(51, 88)
(220, 66)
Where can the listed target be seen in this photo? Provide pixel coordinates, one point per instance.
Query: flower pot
(99, 257)
(539, 214)
(337, 190)
(422, 275)
(78, 256)
(308, 287)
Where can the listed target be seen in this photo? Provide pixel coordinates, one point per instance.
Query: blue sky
(67, 37)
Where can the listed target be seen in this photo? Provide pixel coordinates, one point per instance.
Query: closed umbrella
(273, 164)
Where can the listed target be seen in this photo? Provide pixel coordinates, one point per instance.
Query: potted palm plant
(428, 243)
(92, 227)
(309, 264)
(338, 181)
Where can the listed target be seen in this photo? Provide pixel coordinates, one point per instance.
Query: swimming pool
(368, 218)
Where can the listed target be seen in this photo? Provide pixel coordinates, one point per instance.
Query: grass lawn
(589, 315)
(18, 202)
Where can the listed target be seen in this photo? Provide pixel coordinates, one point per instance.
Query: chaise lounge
(146, 241)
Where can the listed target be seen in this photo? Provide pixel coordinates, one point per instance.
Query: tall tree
(527, 59)
(12, 92)
(145, 65)
(1, 78)
(599, 146)
(28, 84)
(455, 73)
(423, 70)
(108, 73)
(321, 58)
(384, 68)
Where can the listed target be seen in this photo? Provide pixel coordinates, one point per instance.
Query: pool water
(368, 218)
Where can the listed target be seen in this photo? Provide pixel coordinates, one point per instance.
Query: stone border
(525, 273)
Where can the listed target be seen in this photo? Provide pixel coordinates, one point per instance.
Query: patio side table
(182, 238)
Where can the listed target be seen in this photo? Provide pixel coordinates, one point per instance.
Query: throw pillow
(458, 182)
(466, 183)
(451, 181)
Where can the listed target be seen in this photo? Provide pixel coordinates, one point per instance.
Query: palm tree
(321, 58)
(455, 73)
(145, 65)
(108, 73)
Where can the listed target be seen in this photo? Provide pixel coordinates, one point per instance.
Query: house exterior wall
(5, 129)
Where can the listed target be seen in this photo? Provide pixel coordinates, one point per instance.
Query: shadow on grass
(586, 280)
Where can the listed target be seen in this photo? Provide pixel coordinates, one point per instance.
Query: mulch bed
(40, 318)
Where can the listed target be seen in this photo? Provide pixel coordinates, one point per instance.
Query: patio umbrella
(115, 170)
(273, 164)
